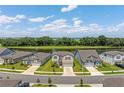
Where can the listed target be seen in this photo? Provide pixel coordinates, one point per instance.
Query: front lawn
(77, 67)
(111, 73)
(17, 66)
(42, 85)
(108, 67)
(14, 71)
(41, 73)
(83, 85)
(50, 67)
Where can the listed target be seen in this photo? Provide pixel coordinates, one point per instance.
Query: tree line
(48, 41)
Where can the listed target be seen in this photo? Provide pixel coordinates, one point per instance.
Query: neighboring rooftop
(113, 82)
(85, 54)
(62, 53)
(2, 50)
(113, 53)
(9, 83)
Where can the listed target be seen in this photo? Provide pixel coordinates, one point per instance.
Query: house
(88, 57)
(36, 59)
(113, 82)
(3, 52)
(112, 57)
(63, 58)
(15, 56)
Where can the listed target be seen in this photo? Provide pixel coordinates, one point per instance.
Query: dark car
(120, 65)
(25, 84)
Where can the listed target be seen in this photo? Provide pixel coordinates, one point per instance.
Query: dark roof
(2, 50)
(86, 54)
(62, 53)
(113, 53)
(38, 56)
(113, 82)
(9, 83)
(17, 54)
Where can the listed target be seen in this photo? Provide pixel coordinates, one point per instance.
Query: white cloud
(68, 8)
(40, 19)
(8, 19)
(77, 22)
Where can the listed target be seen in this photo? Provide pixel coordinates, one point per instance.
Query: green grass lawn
(60, 47)
(77, 67)
(82, 73)
(42, 85)
(17, 66)
(48, 67)
(11, 71)
(110, 73)
(108, 67)
(85, 85)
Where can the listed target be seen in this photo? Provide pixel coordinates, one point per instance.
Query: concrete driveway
(68, 71)
(31, 70)
(94, 71)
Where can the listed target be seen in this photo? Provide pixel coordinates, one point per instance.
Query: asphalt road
(59, 79)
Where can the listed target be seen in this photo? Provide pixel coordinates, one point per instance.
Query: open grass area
(83, 73)
(17, 66)
(48, 67)
(43, 85)
(78, 68)
(85, 85)
(111, 73)
(108, 67)
(61, 47)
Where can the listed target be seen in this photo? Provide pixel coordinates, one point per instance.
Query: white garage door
(89, 64)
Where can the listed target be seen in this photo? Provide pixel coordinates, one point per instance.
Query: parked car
(120, 65)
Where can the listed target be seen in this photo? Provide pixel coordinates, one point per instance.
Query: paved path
(31, 70)
(94, 71)
(68, 71)
(65, 85)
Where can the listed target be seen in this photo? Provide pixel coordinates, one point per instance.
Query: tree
(81, 82)
(102, 40)
(38, 81)
(49, 82)
(8, 77)
(13, 67)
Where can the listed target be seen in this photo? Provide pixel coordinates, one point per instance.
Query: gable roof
(2, 50)
(113, 53)
(113, 82)
(62, 53)
(86, 54)
(9, 83)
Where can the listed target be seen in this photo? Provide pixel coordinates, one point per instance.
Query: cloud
(76, 22)
(40, 19)
(8, 19)
(68, 8)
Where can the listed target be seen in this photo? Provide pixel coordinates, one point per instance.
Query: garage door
(89, 64)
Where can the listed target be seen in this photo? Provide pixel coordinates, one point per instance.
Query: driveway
(94, 71)
(31, 70)
(68, 71)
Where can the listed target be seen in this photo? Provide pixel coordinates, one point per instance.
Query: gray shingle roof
(62, 53)
(113, 82)
(2, 49)
(85, 54)
(113, 53)
(9, 83)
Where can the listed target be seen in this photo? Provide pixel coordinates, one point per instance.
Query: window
(118, 57)
(55, 57)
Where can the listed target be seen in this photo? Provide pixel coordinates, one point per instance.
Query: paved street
(60, 79)
(94, 71)
(68, 71)
(31, 70)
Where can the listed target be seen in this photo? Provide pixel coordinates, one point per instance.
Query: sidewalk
(31, 70)
(94, 71)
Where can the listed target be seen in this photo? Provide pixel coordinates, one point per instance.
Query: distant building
(88, 57)
(113, 82)
(63, 58)
(112, 57)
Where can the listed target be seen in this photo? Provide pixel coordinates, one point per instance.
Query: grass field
(17, 66)
(108, 67)
(48, 67)
(78, 68)
(62, 47)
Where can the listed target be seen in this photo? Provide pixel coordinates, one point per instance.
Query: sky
(61, 21)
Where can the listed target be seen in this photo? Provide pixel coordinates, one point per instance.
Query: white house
(112, 57)
(63, 58)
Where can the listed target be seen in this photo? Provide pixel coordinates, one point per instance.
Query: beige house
(63, 58)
